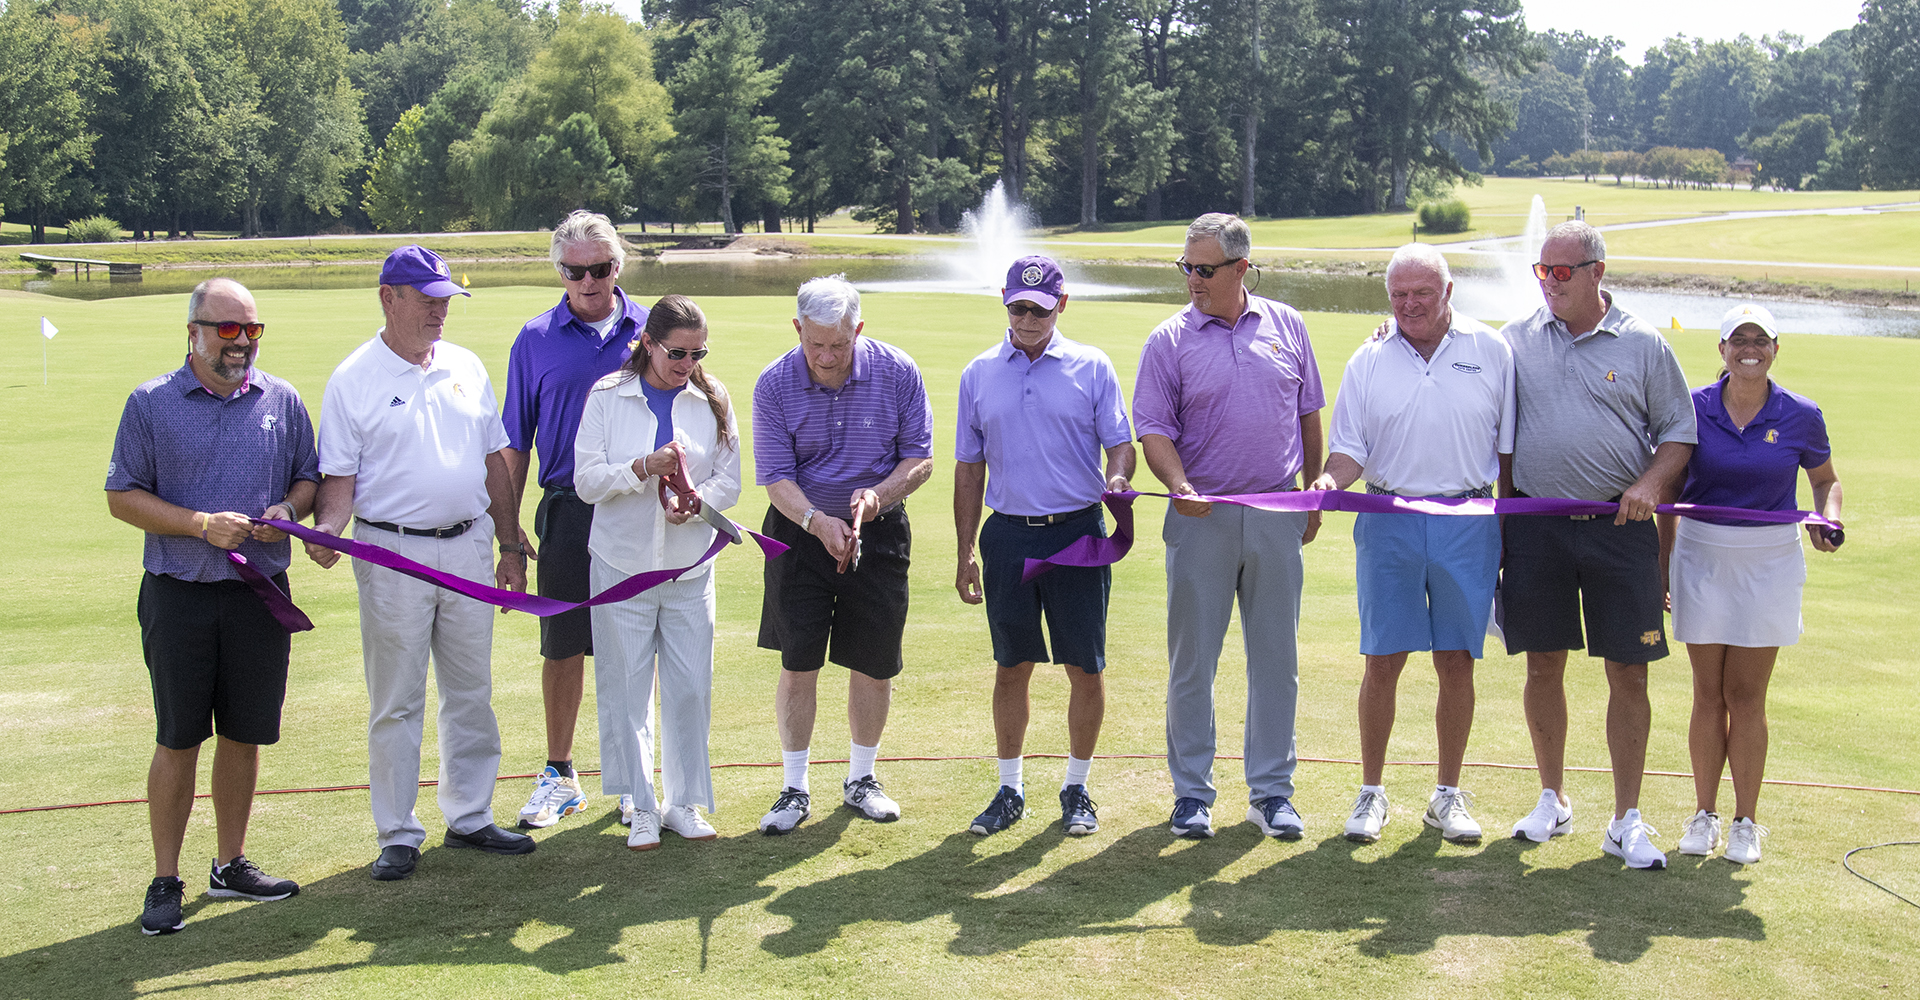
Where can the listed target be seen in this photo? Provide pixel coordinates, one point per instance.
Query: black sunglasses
(578, 272)
(681, 353)
(1560, 272)
(1207, 271)
(1028, 309)
(229, 331)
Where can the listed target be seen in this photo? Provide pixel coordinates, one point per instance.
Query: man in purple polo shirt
(1038, 414)
(200, 452)
(1228, 401)
(551, 368)
(842, 433)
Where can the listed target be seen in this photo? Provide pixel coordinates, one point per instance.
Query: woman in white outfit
(1735, 585)
(637, 424)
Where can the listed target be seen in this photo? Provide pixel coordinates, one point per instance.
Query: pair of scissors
(678, 496)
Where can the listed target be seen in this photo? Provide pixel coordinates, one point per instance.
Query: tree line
(298, 116)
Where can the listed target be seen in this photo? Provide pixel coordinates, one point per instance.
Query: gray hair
(1230, 231)
(591, 228)
(829, 301)
(1421, 255)
(206, 288)
(1593, 246)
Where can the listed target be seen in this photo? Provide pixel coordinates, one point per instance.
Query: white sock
(860, 760)
(794, 763)
(1375, 789)
(1077, 771)
(1446, 790)
(1012, 772)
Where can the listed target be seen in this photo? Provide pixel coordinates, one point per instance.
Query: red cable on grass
(1053, 756)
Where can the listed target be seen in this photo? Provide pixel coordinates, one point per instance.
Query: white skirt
(1736, 586)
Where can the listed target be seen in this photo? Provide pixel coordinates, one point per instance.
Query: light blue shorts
(1425, 581)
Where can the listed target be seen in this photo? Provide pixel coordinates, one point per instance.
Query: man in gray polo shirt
(1603, 414)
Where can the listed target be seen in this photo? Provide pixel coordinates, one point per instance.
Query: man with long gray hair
(551, 368)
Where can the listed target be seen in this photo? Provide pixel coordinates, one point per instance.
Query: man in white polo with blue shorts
(1427, 411)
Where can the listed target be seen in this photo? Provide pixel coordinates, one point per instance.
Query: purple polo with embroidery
(1757, 468)
(831, 442)
(1042, 426)
(1230, 395)
(196, 450)
(551, 368)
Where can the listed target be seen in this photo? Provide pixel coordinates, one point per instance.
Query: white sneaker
(1743, 842)
(788, 811)
(1628, 838)
(1369, 815)
(686, 821)
(870, 797)
(554, 797)
(626, 810)
(1548, 819)
(645, 835)
(1702, 834)
(1447, 812)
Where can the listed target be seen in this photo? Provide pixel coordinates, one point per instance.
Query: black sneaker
(242, 879)
(162, 914)
(1007, 807)
(1076, 811)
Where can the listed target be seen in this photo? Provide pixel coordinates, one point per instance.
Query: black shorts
(862, 612)
(1073, 599)
(562, 522)
(1558, 571)
(217, 659)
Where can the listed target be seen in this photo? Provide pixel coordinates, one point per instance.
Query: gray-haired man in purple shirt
(842, 432)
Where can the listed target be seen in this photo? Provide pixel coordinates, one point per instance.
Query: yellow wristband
(203, 527)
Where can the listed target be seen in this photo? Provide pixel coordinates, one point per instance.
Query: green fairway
(919, 907)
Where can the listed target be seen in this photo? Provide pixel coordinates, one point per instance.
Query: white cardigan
(630, 529)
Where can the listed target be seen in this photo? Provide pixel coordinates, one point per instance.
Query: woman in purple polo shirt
(1735, 585)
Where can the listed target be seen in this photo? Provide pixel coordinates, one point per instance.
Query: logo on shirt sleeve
(112, 466)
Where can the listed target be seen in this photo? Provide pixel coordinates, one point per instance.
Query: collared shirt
(1042, 426)
(1428, 426)
(1593, 408)
(630, 529)
(1756, 468)
(196, 450)
(1230, 396)
(417, 439)
(552, 366)
(831, 442)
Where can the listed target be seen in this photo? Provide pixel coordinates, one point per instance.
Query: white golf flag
(47, 329)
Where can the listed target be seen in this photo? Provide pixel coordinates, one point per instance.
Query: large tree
(1709, 103)
(724, 145)
(51, 75)
(1887, 47)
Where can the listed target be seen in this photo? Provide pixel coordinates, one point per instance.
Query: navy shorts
(217, 659)
(811, 613)
(563, 522)
(1559, 571)
(1072, 599)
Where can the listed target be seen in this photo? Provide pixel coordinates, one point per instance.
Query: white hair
(587, 228)
(829, 301)
(1422, 255)
(1593, 246)
(1230, 231)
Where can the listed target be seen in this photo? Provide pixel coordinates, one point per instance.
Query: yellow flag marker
(1676, 323)
(464, 283)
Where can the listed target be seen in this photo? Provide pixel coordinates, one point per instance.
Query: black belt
(560, 491)
(1042, 520)
(1582, 517)
(450, 531)
(1477, 493)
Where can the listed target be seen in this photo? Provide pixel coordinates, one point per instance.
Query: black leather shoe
(395, 862)
(492, 840)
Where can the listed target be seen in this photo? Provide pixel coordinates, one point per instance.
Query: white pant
(673, 621)
(403, 623)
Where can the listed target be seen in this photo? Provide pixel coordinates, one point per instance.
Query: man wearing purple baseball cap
(1042, 433)
(411, 446)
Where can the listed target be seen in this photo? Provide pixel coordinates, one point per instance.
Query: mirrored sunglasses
(229, 331)
(1560, 272)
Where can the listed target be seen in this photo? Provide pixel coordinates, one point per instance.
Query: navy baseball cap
(1034, 279)
(423, 269)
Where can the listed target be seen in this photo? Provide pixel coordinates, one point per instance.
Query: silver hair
(200, 292)
(588, 227)
(1593, 246)
(1422, 254)
(1230, 231)
(829, 301)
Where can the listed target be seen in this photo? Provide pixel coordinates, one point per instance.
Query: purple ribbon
(1093, 551)
(533, 604)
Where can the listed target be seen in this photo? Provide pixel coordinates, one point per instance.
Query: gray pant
(1254, 555)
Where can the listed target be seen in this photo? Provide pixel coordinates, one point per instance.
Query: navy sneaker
(1192, 818)
(1076, 811)
(1276, 817)
(1006, 809)
(242, 879)
(162, 913)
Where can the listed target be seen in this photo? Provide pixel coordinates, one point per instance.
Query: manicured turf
(847, 908)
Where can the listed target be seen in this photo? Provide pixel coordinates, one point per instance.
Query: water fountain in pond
(1512, 291)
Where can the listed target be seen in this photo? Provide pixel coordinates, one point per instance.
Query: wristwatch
(520, 547)
(807, 518)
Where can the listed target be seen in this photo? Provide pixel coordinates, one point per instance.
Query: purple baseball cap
(421, 268)
(1034, 279)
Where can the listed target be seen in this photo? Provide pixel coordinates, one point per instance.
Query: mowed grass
(849, 908)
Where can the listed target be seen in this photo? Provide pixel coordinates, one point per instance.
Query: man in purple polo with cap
(1042, 433)
(414, 455)
(1228, 402)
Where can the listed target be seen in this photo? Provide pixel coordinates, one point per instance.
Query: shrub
(98, 229)
(1448, 215)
